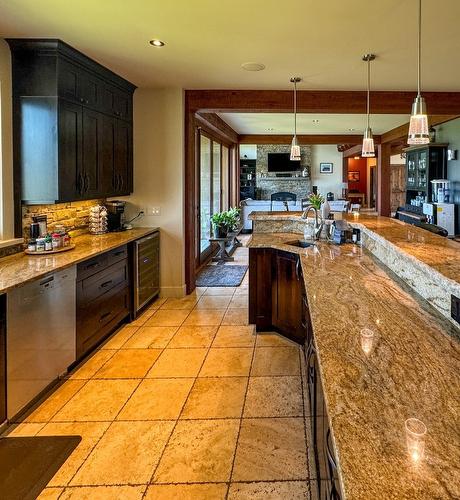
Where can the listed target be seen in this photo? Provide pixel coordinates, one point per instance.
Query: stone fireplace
(267, 183)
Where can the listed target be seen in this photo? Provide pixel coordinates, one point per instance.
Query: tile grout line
(180, 413)
(241, 418)
(110, 424)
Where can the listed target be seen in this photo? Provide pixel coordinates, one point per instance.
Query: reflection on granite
(20, 268)
(429, 263)
(413, 370)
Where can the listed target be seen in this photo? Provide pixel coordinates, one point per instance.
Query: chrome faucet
(318, 224)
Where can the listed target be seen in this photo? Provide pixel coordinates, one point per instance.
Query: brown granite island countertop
(413, 370)
(18, 269)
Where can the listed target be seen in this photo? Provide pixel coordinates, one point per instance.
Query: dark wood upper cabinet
(72, 125)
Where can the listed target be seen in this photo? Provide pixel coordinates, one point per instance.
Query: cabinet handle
(86, 183)
(297, 269)
(81, 183)
(122, 182)
(105, 315)
(94, 264)
(82, 100)
(106, 283)
(120, 252)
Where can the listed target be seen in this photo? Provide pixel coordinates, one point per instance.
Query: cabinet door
(260, 287)
(123, 166)
(109, 127)
(287, 299)
(412, 165)
(68, 77)
(92, 144)
(117, 103)
(71, 182)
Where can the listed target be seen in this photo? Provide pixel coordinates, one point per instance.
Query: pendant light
(368, 149)
(418, 126)
(295, 148)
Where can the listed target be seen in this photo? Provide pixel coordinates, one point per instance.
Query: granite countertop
(437, 252)
(413, 370)
(20, 268)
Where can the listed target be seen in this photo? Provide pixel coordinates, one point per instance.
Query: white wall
(248, 150)
(327, 182)
(158, 177)
(6, 145)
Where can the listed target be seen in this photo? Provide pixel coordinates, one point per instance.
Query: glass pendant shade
(368, 149)
(419, 132)
(295, 150)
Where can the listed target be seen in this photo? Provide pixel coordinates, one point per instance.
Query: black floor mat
(221, 275)
(28, 463)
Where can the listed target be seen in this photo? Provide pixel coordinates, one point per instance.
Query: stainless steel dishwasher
(40, 336)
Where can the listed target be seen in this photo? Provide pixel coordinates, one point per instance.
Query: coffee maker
(115, 215)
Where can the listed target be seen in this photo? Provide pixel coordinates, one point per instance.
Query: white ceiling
(208, 40)
(283, 123)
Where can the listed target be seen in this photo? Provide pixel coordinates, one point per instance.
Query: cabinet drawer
(117, 254)
(92, 266)
(100, 262)
(98, 284)
(99, 318)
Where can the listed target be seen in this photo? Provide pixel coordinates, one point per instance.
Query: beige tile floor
(187, 402)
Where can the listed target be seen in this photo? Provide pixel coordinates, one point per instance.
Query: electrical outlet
(154, 211)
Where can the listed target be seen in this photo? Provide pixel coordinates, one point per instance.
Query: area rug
(27, 464)
(227, 275)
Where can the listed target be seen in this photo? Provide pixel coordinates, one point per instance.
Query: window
(213, 188)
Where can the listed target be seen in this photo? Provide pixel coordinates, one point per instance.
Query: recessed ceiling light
(351, 129)
(270, 129)
(315, 121)
(157, 43)
(253, 66)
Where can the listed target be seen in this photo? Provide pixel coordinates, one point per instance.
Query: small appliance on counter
(115, 215)
(444, 215)
(441, 191)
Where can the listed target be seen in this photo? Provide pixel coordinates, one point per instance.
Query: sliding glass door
(213, 186)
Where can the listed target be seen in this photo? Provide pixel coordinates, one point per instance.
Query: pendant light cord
(368, 89)
(419, 51)
(295, 107)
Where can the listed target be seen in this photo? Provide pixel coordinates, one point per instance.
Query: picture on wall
(326, 168)
(353, 176)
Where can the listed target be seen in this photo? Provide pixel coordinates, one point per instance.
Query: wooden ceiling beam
(215, 123)
(399, 134)
(317, 101)
(303, 139)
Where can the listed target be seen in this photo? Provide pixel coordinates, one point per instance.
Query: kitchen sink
(300, 243)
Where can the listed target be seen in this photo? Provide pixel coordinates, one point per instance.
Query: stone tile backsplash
(73, 215)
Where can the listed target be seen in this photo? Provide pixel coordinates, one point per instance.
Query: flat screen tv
(280, 162)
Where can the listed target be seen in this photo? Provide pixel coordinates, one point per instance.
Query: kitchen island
(412, 369)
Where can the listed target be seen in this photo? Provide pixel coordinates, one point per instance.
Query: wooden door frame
(206, 103)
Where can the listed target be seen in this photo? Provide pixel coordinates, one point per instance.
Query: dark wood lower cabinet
(278, 301)
(103, 297)
(275, 292)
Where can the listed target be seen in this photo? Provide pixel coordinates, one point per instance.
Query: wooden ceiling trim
(318, 101)
(215, 123)
(303, 139)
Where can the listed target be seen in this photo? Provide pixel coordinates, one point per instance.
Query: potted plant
(219, 222)
(316, 200)
(233, 218)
